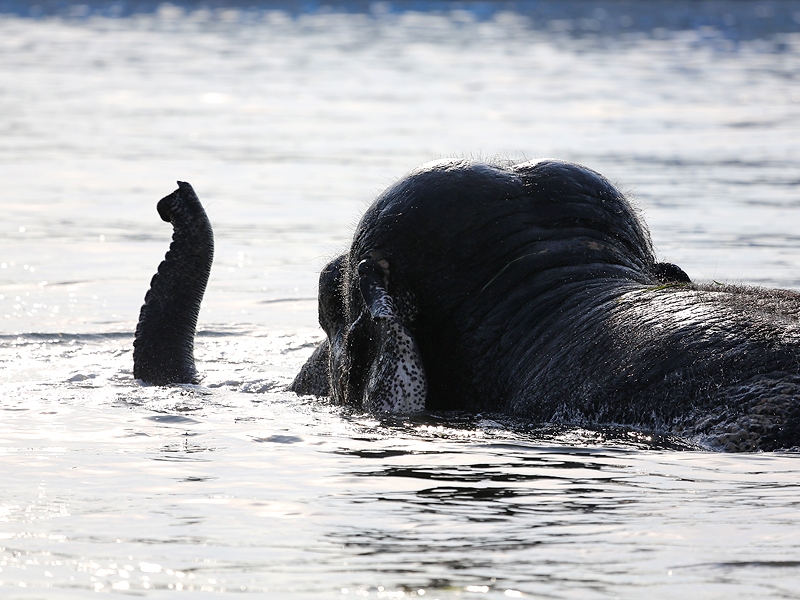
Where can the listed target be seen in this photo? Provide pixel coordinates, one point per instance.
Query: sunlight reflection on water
(288, 122)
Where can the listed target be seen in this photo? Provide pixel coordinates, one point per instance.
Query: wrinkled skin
(533, 290)
(163, 348)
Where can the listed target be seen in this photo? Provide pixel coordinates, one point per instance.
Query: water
(288, 119)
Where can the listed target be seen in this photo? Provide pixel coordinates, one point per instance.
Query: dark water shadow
(504, 429)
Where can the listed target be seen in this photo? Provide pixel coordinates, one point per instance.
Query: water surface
(288, 119)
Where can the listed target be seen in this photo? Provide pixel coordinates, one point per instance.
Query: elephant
(532, 289)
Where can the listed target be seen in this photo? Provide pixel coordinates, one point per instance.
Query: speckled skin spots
(396, 382)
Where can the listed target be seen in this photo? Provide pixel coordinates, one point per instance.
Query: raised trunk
(163, 350)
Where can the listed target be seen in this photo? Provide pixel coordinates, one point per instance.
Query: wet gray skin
(533, 290)
(163, 349)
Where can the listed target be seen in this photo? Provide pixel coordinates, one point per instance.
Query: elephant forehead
(464, 202)
(459, 217)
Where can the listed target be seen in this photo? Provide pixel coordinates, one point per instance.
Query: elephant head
(450, 265)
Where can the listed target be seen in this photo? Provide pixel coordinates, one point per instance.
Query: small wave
(280, 300)
(171, 419)
(38, 336)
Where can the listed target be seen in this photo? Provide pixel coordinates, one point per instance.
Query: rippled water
(288, 119)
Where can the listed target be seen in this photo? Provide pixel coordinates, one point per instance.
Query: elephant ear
(396, 380)
(669, 273)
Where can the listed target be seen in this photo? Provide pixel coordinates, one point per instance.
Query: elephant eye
(376, 257)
